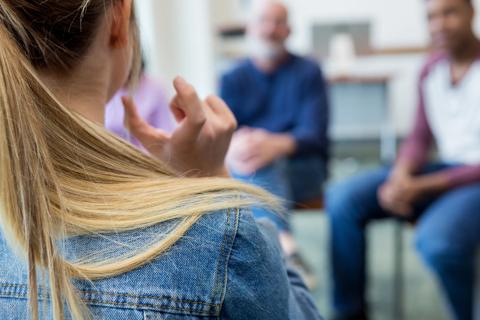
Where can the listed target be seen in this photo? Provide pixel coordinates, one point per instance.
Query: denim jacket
(227, 266)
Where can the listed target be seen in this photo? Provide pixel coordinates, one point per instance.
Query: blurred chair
(398, 312)
(398, 309)
(314, 204)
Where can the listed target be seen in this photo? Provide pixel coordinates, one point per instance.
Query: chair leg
(477, 290)
(398, 273)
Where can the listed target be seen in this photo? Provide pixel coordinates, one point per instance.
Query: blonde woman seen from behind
(91, 228)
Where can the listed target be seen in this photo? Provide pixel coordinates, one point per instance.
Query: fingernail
(181, 81)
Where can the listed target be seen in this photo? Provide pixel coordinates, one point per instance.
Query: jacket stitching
(130, 304)
(227, 260)
(218, 285)
(9, 285)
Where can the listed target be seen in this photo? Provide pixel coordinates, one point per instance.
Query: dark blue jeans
(293, 180)
(447, 238)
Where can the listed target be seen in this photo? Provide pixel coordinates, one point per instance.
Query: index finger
(189, 110)
(188, 102)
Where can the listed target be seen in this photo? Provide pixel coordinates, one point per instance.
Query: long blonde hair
(62, 175)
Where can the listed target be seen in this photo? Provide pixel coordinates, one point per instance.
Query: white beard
(265, 50)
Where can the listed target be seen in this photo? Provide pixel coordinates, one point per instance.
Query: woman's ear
(121, 20)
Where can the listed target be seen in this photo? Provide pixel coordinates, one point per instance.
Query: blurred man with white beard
(280, 102)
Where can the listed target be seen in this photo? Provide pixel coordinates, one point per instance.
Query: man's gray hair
(257, 7)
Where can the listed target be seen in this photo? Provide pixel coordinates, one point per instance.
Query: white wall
(178, 37)
(394, 22)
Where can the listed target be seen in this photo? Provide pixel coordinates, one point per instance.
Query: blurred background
(371, 52)
(371, 40)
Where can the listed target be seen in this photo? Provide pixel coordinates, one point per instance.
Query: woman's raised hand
(200, 142)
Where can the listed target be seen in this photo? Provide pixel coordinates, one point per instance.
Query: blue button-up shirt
(292, 99)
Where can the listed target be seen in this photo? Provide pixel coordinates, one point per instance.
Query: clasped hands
(400, 193)
(253, 149)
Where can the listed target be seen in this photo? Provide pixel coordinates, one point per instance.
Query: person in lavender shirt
(152, 106)
(443, 197)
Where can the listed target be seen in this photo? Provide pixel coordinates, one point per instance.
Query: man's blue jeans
(447, 237)
(292, 180)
